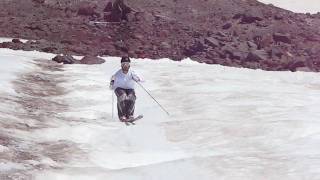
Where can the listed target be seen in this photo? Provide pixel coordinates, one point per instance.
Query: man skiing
(123, 84)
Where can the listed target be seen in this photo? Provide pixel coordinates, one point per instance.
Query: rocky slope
(240, 33)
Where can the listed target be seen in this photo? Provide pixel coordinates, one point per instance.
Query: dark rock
(196, 34)
(221, 54)
(212, 42)
(27, 47)
(293, 65)
(275, 53)
(108, 7)
(257, 55)
(221, 34)
(39, 1)
(233, 52)
(194, 49)
(237, 16)
(227, 26)
(252, 45)
(278, 17)
(91, 60)
(280, 37)
(87, 9)
(49, 49)
(66, 41)
(65, 59)
(11, 45)
(228, 49)
(33, 27)
(237, 55)
(16, 41)
(251, 16)
(118, 11)
(5, 45)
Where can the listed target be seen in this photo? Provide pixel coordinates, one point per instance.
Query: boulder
(221, 34)
(294, 65)
(227, 26)
(87, 9)
(278, 17)
(39, 1)
(65, 59)
(281, 37)
(252, 45)
(16, 41)
(237, 55)
(89, 59)
(251, 16)
(5, 45)
(275, 52)
(194, 49)
(49, 49)
(212, 42)
(257, 55)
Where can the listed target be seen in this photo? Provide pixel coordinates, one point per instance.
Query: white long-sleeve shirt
(126, 81)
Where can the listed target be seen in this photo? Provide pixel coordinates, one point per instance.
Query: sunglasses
(125, 63)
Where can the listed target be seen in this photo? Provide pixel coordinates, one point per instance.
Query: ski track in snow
(33, 105)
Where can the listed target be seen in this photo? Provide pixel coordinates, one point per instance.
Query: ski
(135, 119)
(132, 120)
(127, 123)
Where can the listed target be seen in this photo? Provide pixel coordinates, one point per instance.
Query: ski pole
(153, 98)
(112, 104)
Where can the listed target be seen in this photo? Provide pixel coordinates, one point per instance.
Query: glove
(136, 78)
(111, 84)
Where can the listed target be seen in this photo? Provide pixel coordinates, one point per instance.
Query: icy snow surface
(224, 123)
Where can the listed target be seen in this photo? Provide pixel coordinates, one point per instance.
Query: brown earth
(239, 33)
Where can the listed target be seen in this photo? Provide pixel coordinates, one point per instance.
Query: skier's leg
(121, 102)
(131, 98)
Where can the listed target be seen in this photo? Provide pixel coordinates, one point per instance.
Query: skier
(123, 84)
